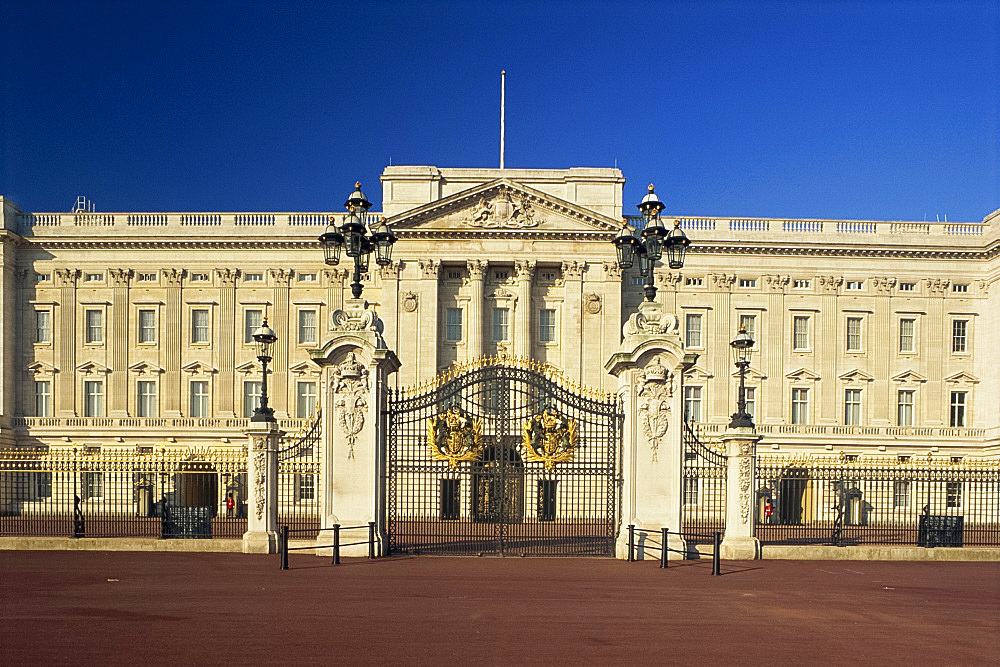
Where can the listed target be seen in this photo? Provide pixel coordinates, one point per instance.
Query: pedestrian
(230, 504)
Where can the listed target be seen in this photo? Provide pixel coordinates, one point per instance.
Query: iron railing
(299, 474)
(703, 487)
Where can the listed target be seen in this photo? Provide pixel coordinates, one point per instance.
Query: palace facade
(133, 329)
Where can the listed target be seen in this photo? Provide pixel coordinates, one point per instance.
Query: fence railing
(703, 486)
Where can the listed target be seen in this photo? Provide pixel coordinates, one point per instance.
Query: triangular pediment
(962, 378)
(198, 368)
(909, 376)
(145, 368)
(696, 373)
(856, 375)
(93, 368)
(41, 368)
(753, 374)
(501, 206)
(802, 374)
(304, 368)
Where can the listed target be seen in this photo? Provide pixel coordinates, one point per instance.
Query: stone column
(718, 330)
(171, 387)
(572, 351)
(428, 326)
(390, 302)
(65, 345)
(772, 355)
(523, 338)
(262, 478)
(285, 331)
(649, 368)
(739, 542)
(225, 389)
(119, 341)
(880, 401)
(477, 275)
(11, 337)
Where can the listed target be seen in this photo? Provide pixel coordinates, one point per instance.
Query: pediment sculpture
(506, 210)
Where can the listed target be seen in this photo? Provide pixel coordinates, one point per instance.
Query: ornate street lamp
(742, 346)
(351, 237)
(263, 338)
(650, 246)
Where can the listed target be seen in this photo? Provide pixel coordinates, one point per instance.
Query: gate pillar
(356, 365)
(650, 369)
(741, 447)
(262, 474)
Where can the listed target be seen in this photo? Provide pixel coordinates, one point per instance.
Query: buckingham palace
(131, 334)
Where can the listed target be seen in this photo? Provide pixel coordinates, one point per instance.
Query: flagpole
(503, 74)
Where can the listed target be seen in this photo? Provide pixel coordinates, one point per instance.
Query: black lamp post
(263, 338)
(653, 242)
(352, 238)
(742, 345)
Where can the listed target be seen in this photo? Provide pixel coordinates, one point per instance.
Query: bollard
(663, 547)
(371, 539)
(631, 542)
(283, 547)
(717, 547)
(336, 544)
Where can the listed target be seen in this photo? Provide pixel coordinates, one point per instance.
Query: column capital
(227, 277)
(525, 269)
(173, 277)
(429, 267)
(777, 283)
(67, 277)
(281, 277)
(573, 270)
(390, 271)
(477, 268)
(120, 277)
(612, 271)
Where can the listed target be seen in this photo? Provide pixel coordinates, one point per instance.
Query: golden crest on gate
(549, 438)
(453, 437)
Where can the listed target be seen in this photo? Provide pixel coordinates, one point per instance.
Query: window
(198, 277)
(147, 326)
(43, 326)
(852, 407)
(958, 408)
(953, 494)
(637, 281)
(749, 324)
(904, 407)
(199, 398)
(547, 499)
(750, 397)
(92, 485)
(251, 398)
(800, 332)
(690, 490)
(959, 335)
(901, 493)
(451, 499)
(907, 287)
(960, 287)
(906, 329)
(501, 323)
(453, 324)
(199, 326)
(307, 277)
(801, 284)
(251, 320)
(692, 404)
(146, 399)
(454, 274)
(854, 285)
(853, 334)
(500, 275)
(694, 282)
(692, 330)
(800, 406)
(43, 398)
(748, 282)
(305, 486)
(95, 328)
(93, 398)
(305, 400)
(35, 485)
(307, 326)
(548, 275)
(145, 277)
(93, 277)
(253, 277)
(42, 277)
(547, 325)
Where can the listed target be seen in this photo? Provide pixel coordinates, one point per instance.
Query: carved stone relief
(507, 209)
(592, 303)
(746, 478)
(350, 386)
(654, 404)
(409, 301)
(258, 450)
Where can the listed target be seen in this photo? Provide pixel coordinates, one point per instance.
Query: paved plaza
(61, 607)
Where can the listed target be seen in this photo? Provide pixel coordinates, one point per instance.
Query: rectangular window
(750, 396)
(147, 326)
(93, 277)
(198, 277)
(146, 399)
(92, 485)
(251, 320)
(690, 490)
(853, 334)
(692, 330)
(43, 326)
(307, 277)
(199, 398)
(199, 326)
(959, 335)
(451, 499)
(548, 276)
(692, 404)
(453, 324)
(801, 284)
(93, 398)
(907, 326)
(93, 319)
(145, 277)
(904, 407)
(251, 398)
(800, 406)
(907, 287)
(305, 486)
(501, 324)
(958, 408)
(454, 274)
(43, 398)
(854, 285)
(953, 494)
(547, 499)
(960, 287)
(307, 326)
(547, 325)
(253, 277)
(42, 277)
(694, 282)
(749, 324)
(39, 485)
(852, 407)
(901, 493)
(748, 282)
(305, 400)
(800, 332)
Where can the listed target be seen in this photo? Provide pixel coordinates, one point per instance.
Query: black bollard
(336, 544)
(663, 547)
(283, 547)
(717, 547)
(631, 542)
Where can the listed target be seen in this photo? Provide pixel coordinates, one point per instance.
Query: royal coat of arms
(453, 437)
(549, 438)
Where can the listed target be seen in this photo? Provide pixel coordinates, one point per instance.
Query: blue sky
(876, 110)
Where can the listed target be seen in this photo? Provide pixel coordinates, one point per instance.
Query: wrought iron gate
(703, 488)
(503, 457)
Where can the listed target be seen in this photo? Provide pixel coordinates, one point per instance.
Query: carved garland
(746, 479)
(260, 475)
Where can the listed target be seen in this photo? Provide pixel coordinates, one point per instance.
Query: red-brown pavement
(89, 608)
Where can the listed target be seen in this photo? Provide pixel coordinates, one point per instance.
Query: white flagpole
(503, 74)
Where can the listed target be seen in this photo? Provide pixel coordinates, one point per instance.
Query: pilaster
(477, 275)
(119, 340)
(65, 346)
(171, 389)
(741, 448)
(427, 348)
(225, 390)
(772, 356)
(262, 478)
(286, 331)
(523, 315)
(390, 300)
(718, 334)
(572, 350)
(881, 353)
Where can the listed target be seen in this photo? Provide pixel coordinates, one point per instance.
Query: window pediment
(40, 368)
(802, 374)
(909, 377)
(304, 368)
(962, 378)
(92, 368)
(856, 375)
(696, 373)
(198, 368)
(145, 368)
